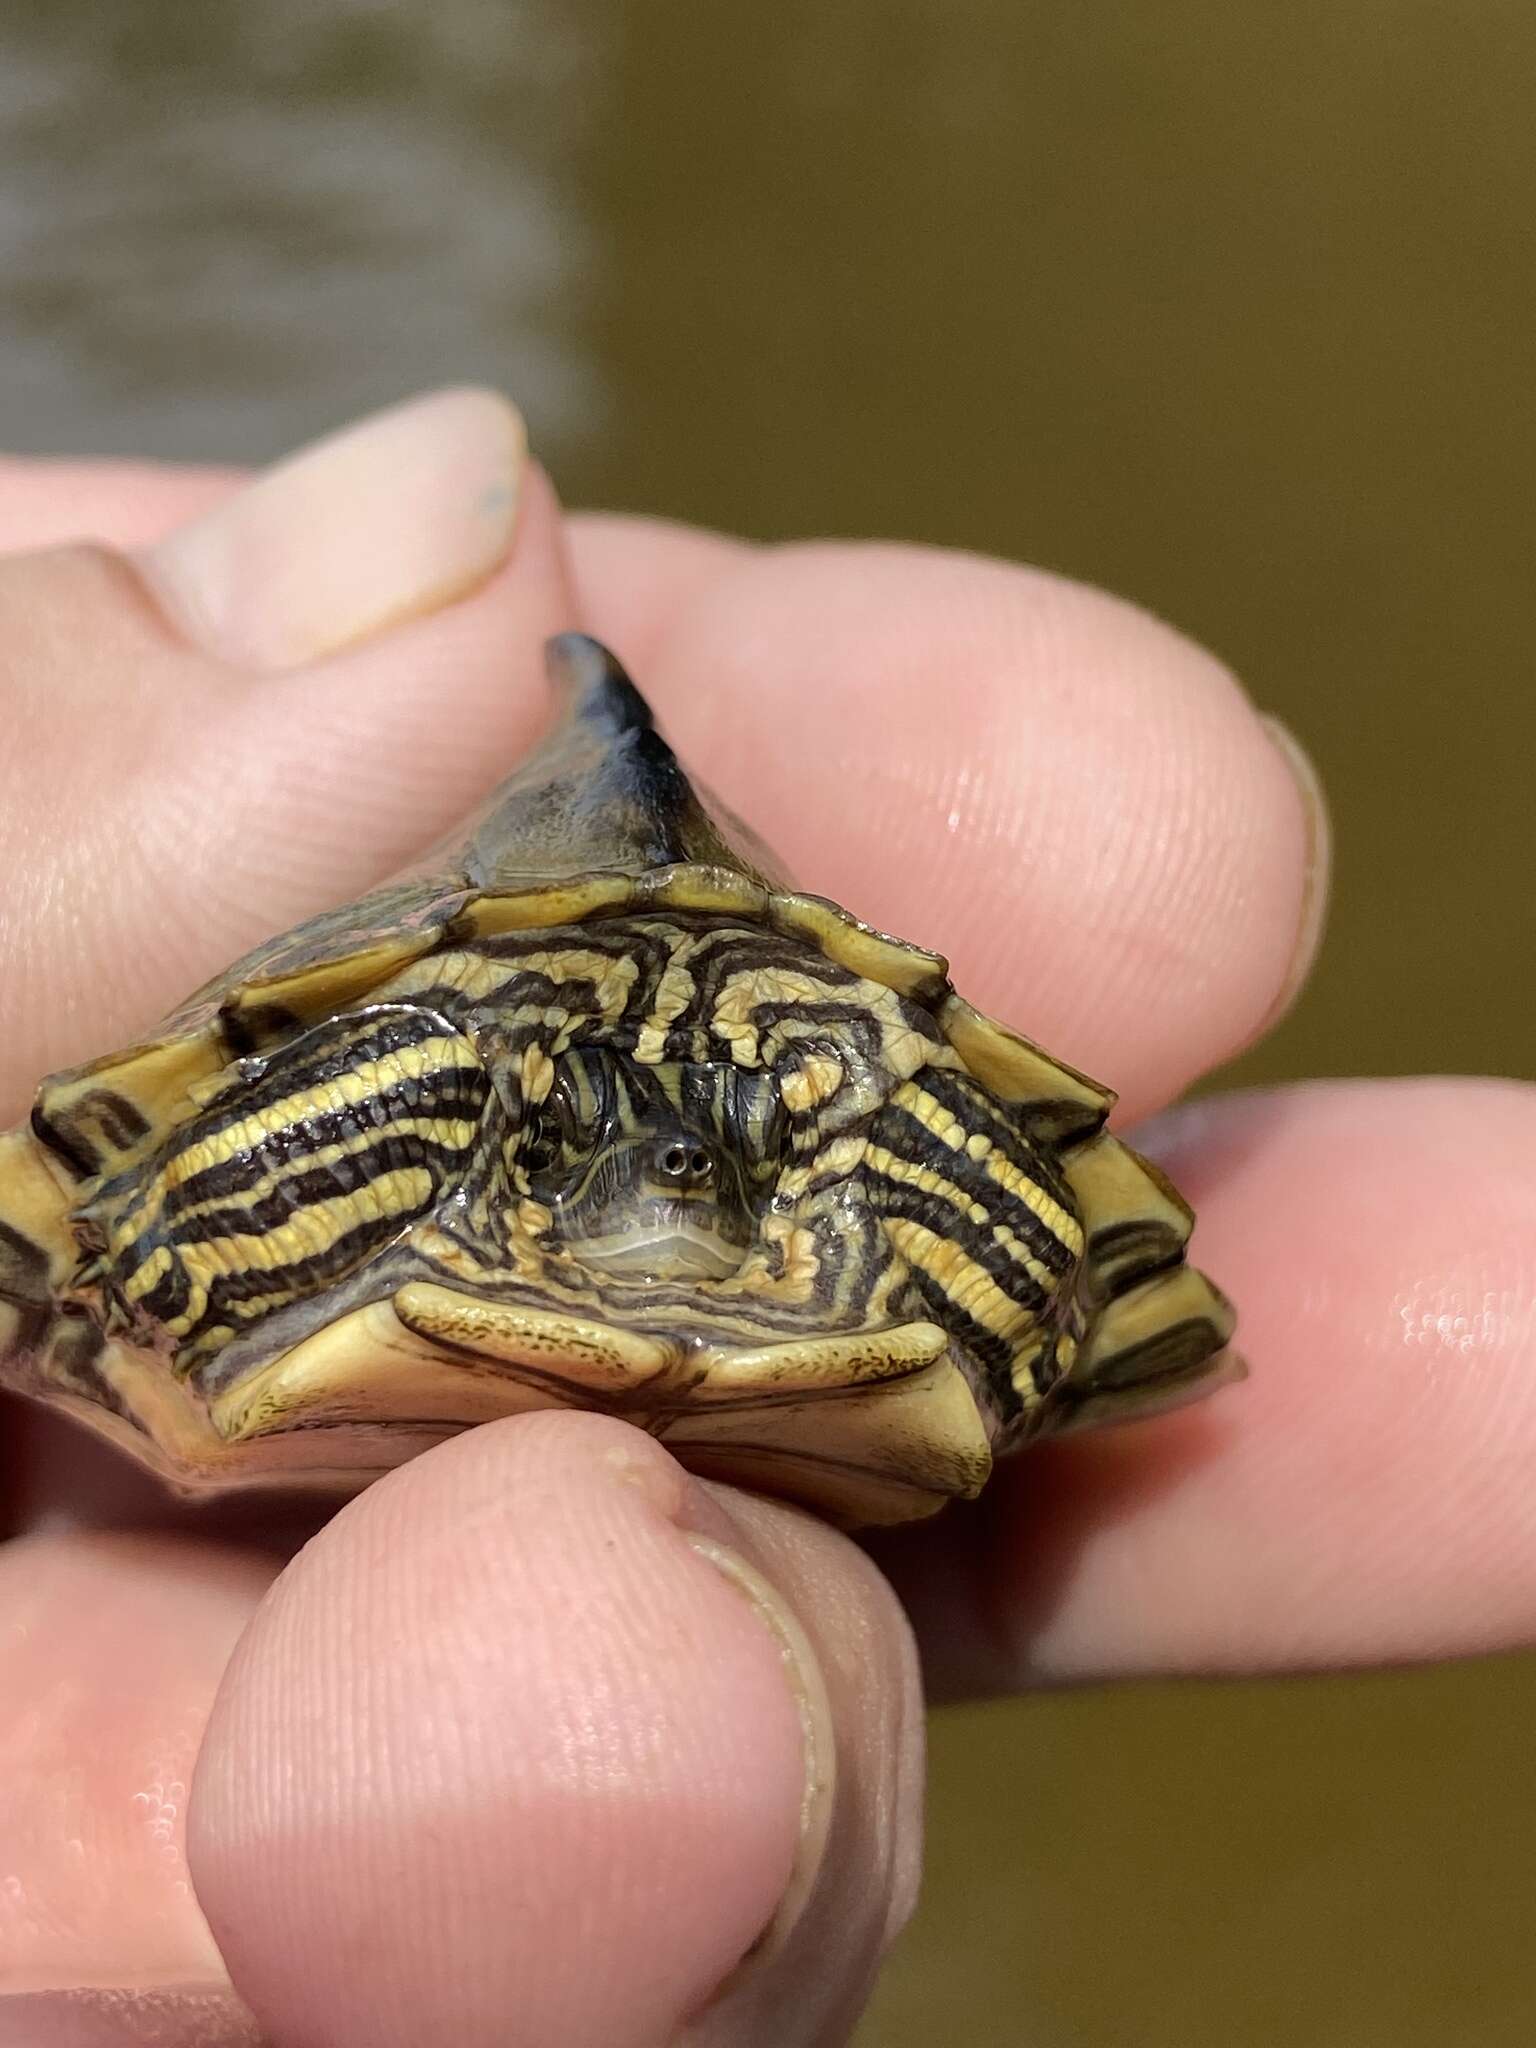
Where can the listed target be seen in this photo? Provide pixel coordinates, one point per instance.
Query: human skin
(517, 1748)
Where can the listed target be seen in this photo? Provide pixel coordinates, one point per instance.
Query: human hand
(537, 1737)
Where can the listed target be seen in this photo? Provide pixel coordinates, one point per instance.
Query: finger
(1365, 1495)
(183, 2016)
(531, 1735)
(98, 1926)
(1078, 806)
(48, 503)
(169, 803)
(633, 575)
(635, 579)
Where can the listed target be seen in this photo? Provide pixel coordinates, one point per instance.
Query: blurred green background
(1225, 306)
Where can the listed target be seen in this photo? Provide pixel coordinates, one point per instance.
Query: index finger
(1079, 807)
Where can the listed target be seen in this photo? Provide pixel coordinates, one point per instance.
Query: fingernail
(1319, 851)
(382, 522)
(802, 1674)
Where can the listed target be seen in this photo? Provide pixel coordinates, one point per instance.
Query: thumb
(261, 715)
(542, 1741)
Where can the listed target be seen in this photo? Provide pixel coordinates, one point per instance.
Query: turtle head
(652, 1173)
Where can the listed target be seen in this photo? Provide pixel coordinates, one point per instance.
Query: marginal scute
(258, 1011)
(1150, 1315)
(542, 907)
(104, 1117)
(706, 891)
(1147, 1349)
(920, 976)
(1062, 1103)
(1134, 1219)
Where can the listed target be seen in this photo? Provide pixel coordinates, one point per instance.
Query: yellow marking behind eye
(903, 1050)
(674, 992)
(811, 1082)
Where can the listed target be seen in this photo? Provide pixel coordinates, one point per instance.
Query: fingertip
(1077, 805)
(500, 1740)
(93, 1790)
(820, 1971)
(1364, 1496)
(209, 807)
(388, 519)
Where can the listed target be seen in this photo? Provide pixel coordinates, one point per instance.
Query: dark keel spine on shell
(295, 1237)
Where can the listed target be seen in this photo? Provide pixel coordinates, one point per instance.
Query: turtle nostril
(685, 1165)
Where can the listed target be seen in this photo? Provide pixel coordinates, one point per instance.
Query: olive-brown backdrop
(1228, 307)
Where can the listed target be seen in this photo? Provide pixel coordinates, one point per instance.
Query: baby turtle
(591, 1111)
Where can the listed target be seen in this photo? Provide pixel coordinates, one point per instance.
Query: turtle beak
(666, 1206)
(666, 1247)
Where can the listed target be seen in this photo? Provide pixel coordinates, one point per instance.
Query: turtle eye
(539, 1150)
(571, 1119)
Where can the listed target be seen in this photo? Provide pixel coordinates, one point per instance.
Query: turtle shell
(592, 1110)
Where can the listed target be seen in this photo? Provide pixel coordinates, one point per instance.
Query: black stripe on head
(326, 1053)
(901, 1132)
(993, 1353)
(459, 1096)
(971, 1105)
(392, 1153)
(744, 949)
(895, 1198)
(308, 1275)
